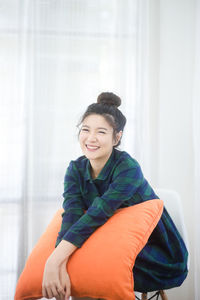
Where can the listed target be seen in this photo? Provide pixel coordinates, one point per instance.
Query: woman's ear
(118, 137)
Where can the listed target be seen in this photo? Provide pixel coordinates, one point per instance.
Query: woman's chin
(91, 156)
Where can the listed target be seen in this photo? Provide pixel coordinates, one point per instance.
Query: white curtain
(196, 137)
(55, 58)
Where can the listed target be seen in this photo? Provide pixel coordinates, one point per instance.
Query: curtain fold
(196, 147)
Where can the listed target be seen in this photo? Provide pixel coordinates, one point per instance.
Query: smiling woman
(101, 130)
(98, 183)
(97, 140)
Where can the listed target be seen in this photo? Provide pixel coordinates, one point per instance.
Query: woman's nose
(92, 137)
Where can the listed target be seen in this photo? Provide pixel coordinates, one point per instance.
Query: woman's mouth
(92, 148)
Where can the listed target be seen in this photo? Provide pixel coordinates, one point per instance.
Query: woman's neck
(96, 169)
(97, 166)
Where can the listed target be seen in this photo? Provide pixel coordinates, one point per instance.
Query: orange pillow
(102, 267)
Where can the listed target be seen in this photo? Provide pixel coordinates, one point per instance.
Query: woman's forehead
(96, 121)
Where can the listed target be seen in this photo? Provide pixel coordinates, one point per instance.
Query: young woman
(101, 181)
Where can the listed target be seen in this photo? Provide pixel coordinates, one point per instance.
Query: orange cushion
(102, 267)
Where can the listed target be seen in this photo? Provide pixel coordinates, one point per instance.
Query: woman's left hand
(65, 281)
(51, 285)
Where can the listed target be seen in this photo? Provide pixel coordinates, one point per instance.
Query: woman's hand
(65, 282)
(51, 285)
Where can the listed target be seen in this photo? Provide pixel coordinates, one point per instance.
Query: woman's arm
(127, 178)
(73, 203)
(62, 253)
(52, 286)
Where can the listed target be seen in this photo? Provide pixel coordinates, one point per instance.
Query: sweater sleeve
(127, 178)
(72, 204)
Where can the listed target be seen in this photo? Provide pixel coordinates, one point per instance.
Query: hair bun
(109, 99)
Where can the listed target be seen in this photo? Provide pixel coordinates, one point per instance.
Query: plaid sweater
(120, 184)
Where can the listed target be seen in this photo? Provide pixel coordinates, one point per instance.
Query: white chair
(173, 204)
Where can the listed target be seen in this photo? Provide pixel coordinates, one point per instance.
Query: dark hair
(107, 106)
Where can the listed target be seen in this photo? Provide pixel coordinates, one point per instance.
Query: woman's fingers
(61, 293)
(67, 295)
(53, 290)
(60, 290)
(68, 288)
(51, 285)
(44, 294)
(65, 281)
(49, 293)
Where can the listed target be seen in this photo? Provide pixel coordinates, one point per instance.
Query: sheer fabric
(196, 138)
(56, 57)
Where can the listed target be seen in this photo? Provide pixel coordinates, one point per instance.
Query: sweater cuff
(76, 240)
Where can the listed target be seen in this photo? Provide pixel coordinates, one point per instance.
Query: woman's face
(96, 138)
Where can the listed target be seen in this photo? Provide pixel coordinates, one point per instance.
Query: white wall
(171, 79)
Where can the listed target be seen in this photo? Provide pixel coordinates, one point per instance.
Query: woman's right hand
(65, 282)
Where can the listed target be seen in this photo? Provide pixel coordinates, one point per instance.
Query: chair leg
(163, 295)
(144, 296)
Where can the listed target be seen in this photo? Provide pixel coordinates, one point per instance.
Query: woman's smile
(92, 147)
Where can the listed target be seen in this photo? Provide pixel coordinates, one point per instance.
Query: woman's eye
(103, 132)
(84, 129)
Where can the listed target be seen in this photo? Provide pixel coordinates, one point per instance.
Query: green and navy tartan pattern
(121, 184)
